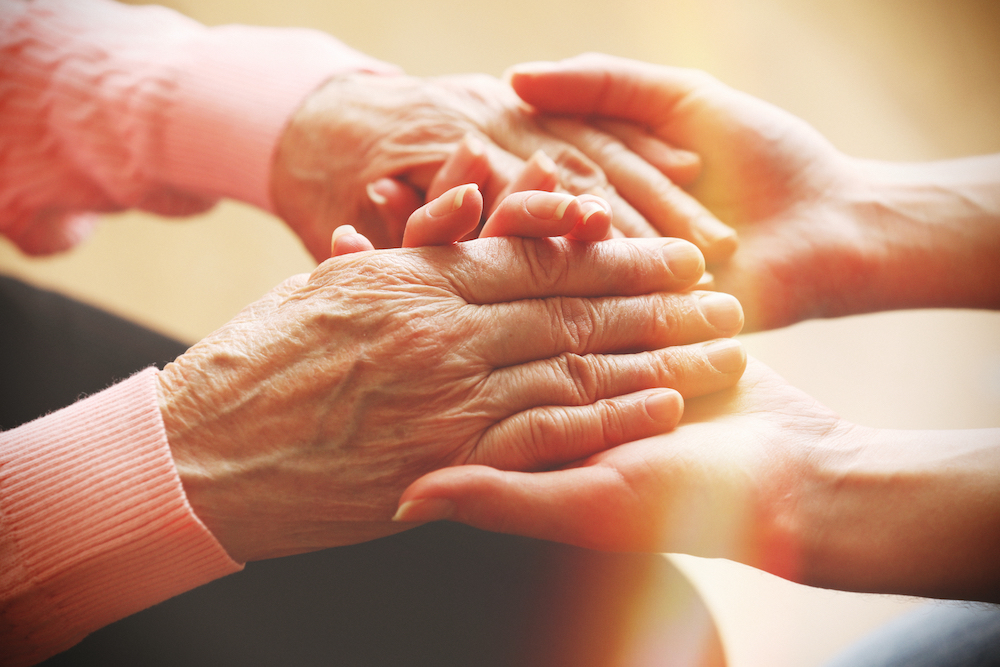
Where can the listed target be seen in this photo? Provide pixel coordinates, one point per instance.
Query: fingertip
(595, 219)
(450, 201)
(685, 167)
(424, 510)
(468, 163)
(718, 241)
(722, 311)
(394, 201)
(446, 219)
(513, 72)
(684, 260)
(706, 282)
(346, 242)
(474, 145)
(665, 407)
(727, 355)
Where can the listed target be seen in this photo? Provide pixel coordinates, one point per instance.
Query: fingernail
(722, 311)
(474, 145)
(375, 195)
(589, 208)
(726, 355)
(548, 205)
(544, 162)
(424, 510)
(716, 237)
(530, 68)
(684, 260)
(664, 406)
(342, 230)
(450, 201)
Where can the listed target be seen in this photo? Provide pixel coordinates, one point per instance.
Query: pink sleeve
(105, 107)
(94, 523)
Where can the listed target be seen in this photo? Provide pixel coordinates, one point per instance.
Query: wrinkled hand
(298, 425)
(715, 486)
(770, 175)
(362, 132)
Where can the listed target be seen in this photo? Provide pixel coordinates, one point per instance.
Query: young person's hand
(821, 234)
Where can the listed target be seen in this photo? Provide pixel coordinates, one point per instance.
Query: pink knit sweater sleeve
(94, 523)
(105, 107)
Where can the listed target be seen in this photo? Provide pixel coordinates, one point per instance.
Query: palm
(701, 488)
(764, 172)
(708, 488)
(772, 177)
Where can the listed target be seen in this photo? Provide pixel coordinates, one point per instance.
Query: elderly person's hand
(821, 234)
(765, 475)
(366, 143)
(298, 425)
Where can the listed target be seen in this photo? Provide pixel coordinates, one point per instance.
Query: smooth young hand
(764, 475)
(821, 234)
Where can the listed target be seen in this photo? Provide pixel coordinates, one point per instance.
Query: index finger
(671, 210)
(601, 85)
(497, 270)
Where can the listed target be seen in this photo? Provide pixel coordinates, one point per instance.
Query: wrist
(902, 512)
(930, 233)
(188, 441)
(234, 91)
(331, 148)
(794, 517)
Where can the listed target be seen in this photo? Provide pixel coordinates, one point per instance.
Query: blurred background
(887, 79)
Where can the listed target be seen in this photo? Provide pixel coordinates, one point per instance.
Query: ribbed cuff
(237, 89)
(95, 522)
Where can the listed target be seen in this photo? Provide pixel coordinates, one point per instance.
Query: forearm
(932, 233)
(910, 512)
(107, 106)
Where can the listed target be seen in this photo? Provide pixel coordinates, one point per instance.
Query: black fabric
(53, 350)
(939, 634)
(442, 595)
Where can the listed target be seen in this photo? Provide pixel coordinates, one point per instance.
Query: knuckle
(666, 319)
(580, 376)
(548, 262)
(578, 321)
(672, 365)
(548, 430)
(614, 422)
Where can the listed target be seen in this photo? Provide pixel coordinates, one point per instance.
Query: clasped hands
(299, 425)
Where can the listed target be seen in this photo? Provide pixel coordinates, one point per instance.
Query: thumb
(586, 506)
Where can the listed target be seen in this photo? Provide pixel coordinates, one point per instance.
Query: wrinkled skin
(393, 137)
(298, 425)
(712, 487)
(360, 128)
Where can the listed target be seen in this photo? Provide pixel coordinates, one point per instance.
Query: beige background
(891, 79)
